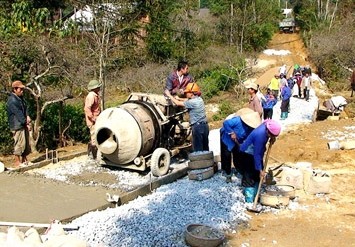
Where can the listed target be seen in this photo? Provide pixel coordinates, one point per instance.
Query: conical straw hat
(251, 119)
(240, 112)
(244, 111)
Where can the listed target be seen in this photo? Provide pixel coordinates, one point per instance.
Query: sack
(319, 182)
(292, 176)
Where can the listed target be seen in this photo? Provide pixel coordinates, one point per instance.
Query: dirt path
(320, 220)
(270, 64)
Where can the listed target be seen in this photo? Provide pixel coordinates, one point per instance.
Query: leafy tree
(248, 25)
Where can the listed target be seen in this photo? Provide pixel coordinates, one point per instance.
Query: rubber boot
(282, 116)
(286, 115)
(249, 193)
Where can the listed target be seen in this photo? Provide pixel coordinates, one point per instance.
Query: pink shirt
(92, 108)
(255, 105)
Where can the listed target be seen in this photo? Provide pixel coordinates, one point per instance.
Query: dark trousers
(284, 105)
(268, 113)
(226, 158)
(299, 90)
(251, 177)
(306, 93)
(200, 133)
(275, 93)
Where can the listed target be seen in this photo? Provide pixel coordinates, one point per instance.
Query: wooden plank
(38, 225)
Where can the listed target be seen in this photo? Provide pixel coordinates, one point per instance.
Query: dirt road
(326, 220)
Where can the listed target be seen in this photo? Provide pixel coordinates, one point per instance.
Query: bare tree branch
(54, 101)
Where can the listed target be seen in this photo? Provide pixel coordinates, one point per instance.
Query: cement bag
(319, 182)
(291, 176)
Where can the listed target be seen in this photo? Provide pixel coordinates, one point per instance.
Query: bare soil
(325, 220)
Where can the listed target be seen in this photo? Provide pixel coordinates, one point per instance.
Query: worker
(19, 123)
(197, 114)
(268, 104)
(232, 134)
(178, 79)
(306, 85)
(283, 69)
(274, 85)
(298, 79)
(92, 110)
(286, 94)
(254, 102)
(251, 156)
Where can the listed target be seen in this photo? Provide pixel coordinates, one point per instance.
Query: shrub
(73, 114)
(6, 144)
(225, 109)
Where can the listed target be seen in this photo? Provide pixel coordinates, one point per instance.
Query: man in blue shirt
(197, 113)
(251, 156)
(232, 134)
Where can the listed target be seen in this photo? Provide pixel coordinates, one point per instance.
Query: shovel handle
(264, 169)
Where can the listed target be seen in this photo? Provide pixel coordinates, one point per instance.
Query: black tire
(160, 162)
(200, 164)
(207, 155)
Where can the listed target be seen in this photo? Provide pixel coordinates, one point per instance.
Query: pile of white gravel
(160, 219)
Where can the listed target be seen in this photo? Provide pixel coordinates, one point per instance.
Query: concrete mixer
(145, 131)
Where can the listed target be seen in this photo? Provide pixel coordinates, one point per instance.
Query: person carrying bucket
(251, 156)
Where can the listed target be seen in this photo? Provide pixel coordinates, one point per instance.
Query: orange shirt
(92, 108)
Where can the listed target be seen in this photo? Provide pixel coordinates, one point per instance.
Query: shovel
(254, 208)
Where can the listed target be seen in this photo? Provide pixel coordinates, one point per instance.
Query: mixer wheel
(160, 161)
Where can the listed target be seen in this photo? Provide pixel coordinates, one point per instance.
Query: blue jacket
(237, 126)
(270, 101)
(255, 145)
(16, 112)
(286, 93)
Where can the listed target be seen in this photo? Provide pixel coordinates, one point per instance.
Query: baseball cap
(17, 84)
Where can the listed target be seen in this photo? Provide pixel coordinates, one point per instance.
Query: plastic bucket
(2, 167)
(334, 145)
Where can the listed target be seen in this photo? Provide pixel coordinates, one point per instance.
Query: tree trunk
(231, 26)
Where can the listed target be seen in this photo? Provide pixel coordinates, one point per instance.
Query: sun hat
(240, 112)
(243, 111)
(18, 84)
(252, 85)
(94, 84)
(251, 119)
(273, 126)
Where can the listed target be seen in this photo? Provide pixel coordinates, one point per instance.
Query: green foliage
(247, 24)
(215, 81)
(6, 144)
(260, 35)
(24, 18)
(225, 109)
(72, 114)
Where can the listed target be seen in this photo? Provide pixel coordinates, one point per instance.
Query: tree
(35, 60)
(248, 25)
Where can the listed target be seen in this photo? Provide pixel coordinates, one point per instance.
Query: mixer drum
(126, 132)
